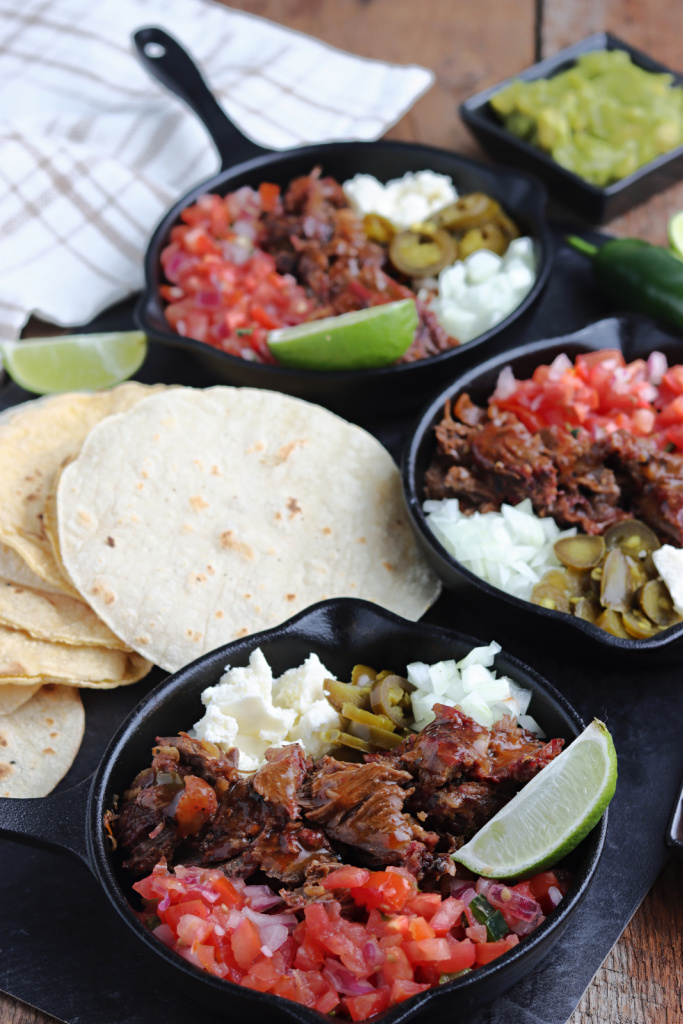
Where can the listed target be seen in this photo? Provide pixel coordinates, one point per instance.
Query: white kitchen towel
(92, 150)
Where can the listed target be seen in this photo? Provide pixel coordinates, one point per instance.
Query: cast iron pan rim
(99, 852)
(534, 201)
(412, 488)
(472, 107)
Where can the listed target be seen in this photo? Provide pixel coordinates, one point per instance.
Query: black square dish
(594, 204)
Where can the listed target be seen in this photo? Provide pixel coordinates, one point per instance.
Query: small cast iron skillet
(342, 632)
(636, 336)
(352, 393)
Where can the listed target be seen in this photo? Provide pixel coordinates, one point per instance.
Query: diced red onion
(522, 927)
(344, 981)
(246, 228)
(514, 903)
(465, 892)
(165, 903)
(506, 384)
(163, 932)
(559, 366)
(261, 897)
(374, 956)
(554, 895)
(476, 932)
(656, 367)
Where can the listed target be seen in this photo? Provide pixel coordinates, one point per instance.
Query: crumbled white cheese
(669, 564)
(404, 201)
(299, 688)
(250, 710)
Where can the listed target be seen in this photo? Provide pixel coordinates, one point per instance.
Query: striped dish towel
(92, 150)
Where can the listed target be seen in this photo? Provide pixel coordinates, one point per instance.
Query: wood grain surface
(470, 46)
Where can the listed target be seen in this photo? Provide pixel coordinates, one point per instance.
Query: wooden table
(471, 46)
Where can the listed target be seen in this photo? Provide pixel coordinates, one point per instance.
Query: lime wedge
(551, 815)
(74, 362)
(676, 233)
(362, 340)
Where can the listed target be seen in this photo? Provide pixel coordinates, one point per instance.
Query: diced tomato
(425, 903)
(362, 1007)
(587, 361)
(447, 916)
(270, 195)
(197, 803)
(173, 913)
(404, 989)
(246, 943)
(426, 950)
(398, 924)
(485, 952)
(193, 930)
(540, 885)
(385, 890)
(327, 1001)
(420, 929)
(262, 976)
(227, 892)
(396, 966)
(460, 955)
(345, 878)
(477, 932)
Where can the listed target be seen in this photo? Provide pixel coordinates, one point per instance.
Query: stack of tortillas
(159, 524)
(50, 639)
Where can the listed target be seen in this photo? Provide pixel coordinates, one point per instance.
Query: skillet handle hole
(155, 50)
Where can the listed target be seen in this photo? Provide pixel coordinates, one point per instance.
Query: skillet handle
(51, 822)
(166, 60)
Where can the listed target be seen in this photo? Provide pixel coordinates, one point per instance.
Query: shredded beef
(318, 238)
(295, 821)
(361, 805)
(485, 458)
(462, 808)
(279, 779)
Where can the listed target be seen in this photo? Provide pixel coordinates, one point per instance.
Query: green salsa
(603, 118)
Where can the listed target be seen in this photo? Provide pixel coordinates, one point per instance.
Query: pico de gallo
(390, 943)
(599, 393)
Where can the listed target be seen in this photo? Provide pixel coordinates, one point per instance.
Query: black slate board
(64, 950)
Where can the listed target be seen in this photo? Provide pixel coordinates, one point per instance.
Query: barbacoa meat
(318, 238)
(295, 821)
(485, 458)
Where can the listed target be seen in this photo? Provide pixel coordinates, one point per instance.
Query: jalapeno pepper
(639, 276)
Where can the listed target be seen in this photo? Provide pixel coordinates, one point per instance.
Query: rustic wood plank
(468, 46)
(640, 981)
(656, 27)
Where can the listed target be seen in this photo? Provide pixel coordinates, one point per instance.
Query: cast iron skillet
(636, 336)
(342, 632)
(244, 163)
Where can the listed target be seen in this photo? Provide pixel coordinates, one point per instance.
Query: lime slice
(676, 233)
(551, 815)
(74, 362)
(362, 340)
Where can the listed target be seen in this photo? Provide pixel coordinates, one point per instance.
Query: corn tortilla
(12, 697)
(201, 516)
(25, 661)
(35, 440)
(39, 741)
(54, 617)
